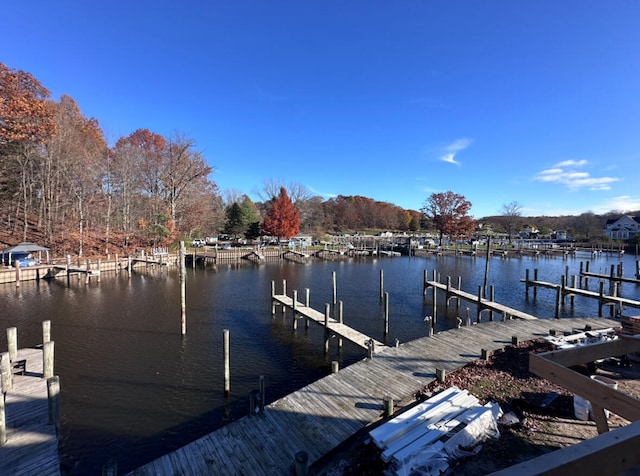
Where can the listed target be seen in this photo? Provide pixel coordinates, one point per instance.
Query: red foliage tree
(283, 219)
(449, 213)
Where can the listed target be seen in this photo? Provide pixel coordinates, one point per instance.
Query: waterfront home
(624, 228)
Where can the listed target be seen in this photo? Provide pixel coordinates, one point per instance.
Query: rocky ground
(504, 379)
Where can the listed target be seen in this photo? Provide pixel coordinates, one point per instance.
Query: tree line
(63, 185)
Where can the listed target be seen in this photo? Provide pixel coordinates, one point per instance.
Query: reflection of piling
(183, 288)
(225, 338)
(386, 313)
(335, 290)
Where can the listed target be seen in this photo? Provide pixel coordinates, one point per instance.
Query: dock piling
(53, 400)
(293, 308)
(46, 331)
(3, 421)
(6, 376)
(47, 359)
(12, 342)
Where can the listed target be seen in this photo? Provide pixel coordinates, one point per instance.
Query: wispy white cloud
(566, 173)
(622, 203)
(321, 194)
(451, 150)
(450, 158)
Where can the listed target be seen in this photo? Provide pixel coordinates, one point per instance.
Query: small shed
(26, 247)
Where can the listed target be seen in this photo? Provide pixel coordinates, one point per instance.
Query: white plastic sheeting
(423, 440)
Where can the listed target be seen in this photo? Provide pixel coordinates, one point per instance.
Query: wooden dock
(32, 444)
(332, 326)
(563, 291)
(483, 304)
(304, 426)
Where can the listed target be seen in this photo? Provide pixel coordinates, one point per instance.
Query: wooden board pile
(424, 439)
(630, 324)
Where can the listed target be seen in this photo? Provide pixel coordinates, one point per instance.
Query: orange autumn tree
(283, 219)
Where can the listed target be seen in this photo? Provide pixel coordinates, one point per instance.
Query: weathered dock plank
(32, 443)
(320, 416)
(333, 326)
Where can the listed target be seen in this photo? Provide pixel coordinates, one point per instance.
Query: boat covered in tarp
(24, 253)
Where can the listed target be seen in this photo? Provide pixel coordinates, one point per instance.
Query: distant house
(530, 232)
(623, 228)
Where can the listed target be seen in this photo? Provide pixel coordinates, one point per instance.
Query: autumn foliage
(448, 212)
(62, 185)
(283, 219)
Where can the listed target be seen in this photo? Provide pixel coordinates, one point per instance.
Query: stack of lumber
(630, 324)
(426, 437)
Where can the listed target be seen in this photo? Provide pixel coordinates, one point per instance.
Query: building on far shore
(624, 228)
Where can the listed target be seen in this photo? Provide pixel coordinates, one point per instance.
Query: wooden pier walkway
(32, 444)
(483, 304)
(562, 291)
(333, 327)
(319, 417)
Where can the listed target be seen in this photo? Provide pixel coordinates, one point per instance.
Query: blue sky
(536, 102)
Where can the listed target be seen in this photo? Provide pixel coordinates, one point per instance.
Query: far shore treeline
(63, 186)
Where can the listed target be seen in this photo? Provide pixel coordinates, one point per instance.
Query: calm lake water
(133, 388)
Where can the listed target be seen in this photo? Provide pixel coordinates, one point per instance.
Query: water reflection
(133, 388)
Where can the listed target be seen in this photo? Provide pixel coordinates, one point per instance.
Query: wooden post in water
(46, 331)
(284, 292)
(86, 275)
(99, 269)
(47, 359)
(17, 265)
(306, 303)
(6, 375)
(492, 299)
(183, 289)
(425, 278)
(526, 283)
(386, 313)
(67, 266)
(326, 328)
(600, 298)
(293, 308)
(261, 387)
(479, 304)
(335, 288)
(130, 265)
(558, 301)
(12, 342)
(586, 278)
(581, 273)
(434, 306)
(340, 309)
(53, 400)
(381, 284)
(535, 288)
(335, 367)
(486, 266)
(225, 338)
